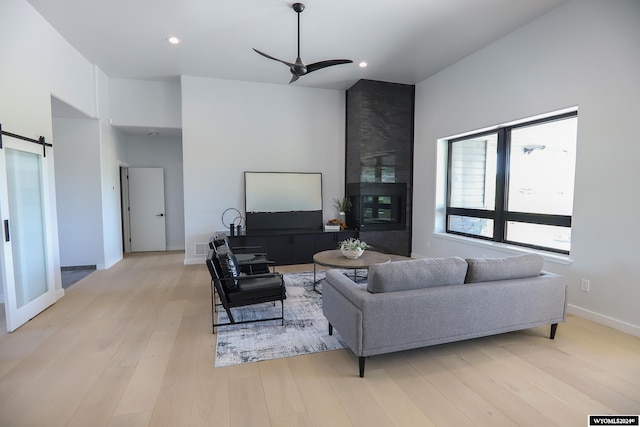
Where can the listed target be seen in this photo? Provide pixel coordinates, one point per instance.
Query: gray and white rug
(305, 328)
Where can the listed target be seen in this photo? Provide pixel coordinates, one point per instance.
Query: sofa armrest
(352, 291)
(342, 303)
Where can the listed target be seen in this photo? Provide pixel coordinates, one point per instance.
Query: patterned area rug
(305, 328)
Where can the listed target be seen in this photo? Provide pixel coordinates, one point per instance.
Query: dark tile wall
(379, 147)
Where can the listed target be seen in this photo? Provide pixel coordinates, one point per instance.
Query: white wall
(78, 191)
(163, 152)
(140, 103)
(36, 63)
(230, 127)
(113, 154)
(585, 53)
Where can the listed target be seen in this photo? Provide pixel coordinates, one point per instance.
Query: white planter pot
(352, 254)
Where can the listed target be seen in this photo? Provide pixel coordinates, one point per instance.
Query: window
(514, 184)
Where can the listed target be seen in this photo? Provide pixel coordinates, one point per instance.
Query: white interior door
(146, 214)
(26, 261)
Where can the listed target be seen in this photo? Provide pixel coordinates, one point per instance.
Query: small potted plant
(342, 205)
(353, 248)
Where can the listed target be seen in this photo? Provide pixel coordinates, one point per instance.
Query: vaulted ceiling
(403, 41)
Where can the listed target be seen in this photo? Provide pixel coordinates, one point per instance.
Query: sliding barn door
(26, 262)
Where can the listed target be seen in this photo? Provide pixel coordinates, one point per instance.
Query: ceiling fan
(298, 68)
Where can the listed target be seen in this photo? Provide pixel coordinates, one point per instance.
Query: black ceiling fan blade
(298, 69)
(288, 64)
(324, 64)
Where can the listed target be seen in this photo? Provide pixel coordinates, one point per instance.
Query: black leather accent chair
(237, 290)
(249, 262)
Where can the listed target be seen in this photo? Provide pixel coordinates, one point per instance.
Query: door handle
(160, 214)
(6, 231)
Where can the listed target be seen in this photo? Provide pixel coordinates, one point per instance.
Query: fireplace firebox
(377, 206)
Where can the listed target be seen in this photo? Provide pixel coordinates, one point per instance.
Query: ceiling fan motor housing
(298, 70)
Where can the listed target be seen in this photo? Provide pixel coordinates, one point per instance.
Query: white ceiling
(403, 41)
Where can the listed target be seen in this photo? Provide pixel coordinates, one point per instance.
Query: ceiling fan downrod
(298, 69)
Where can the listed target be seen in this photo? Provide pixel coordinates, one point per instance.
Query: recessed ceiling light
(362, 64)
(173, 40)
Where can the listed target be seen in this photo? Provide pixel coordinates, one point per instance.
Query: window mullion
(502, 176)
(449, 172)
(533, 218)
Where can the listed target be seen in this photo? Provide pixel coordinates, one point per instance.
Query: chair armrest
(245, 248)
(257, 262)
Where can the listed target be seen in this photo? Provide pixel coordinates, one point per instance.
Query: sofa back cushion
(416, 274)
(517, 267)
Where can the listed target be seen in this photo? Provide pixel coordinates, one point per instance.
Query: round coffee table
(335, 259)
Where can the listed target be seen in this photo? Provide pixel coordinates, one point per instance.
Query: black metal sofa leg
(361, 359)
(554, 327)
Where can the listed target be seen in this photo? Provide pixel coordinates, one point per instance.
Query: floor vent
(202, 249)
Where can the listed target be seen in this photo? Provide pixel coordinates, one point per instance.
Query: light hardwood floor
(132, 346)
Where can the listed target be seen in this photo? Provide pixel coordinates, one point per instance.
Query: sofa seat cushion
(416, 274)
(491, 269)
(257, 288)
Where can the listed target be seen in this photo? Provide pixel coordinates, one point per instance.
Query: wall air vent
(202, 249)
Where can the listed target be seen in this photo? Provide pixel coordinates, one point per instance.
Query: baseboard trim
(619, 325)
(110, 263)
(78, 267)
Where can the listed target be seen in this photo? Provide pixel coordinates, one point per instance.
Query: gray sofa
(422, 302)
